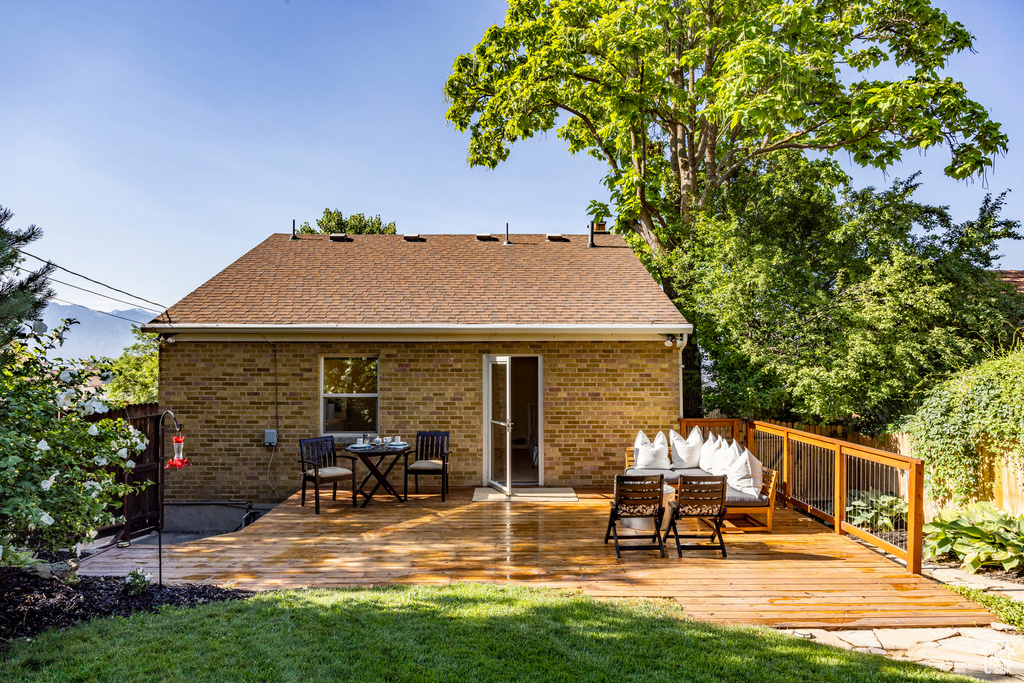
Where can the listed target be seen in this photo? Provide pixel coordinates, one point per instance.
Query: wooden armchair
(637, 497)
(318, 458)
(429, 457)
(701, 498)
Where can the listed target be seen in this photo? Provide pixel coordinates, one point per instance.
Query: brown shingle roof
(440, 280)
(1014, 277)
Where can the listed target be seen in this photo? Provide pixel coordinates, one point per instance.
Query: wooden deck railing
(872, 494)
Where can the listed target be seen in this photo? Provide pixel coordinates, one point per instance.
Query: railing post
(915, 518)
(787, 468)
(839, 505)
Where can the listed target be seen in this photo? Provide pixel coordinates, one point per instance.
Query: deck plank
(803, 575)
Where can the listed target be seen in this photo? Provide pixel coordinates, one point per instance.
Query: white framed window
(349, 395)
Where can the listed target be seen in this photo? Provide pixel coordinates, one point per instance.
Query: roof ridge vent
(413, 238)
(485, 237)
(340, 237)
(556, 237)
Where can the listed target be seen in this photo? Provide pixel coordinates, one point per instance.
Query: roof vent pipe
(294, 236)
(590, 242)
(506, 235)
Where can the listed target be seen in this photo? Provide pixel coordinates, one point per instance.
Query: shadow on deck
(803, 575)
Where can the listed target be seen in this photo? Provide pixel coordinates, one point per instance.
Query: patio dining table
(372, 457)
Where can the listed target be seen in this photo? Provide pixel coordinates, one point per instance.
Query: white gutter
(419, 332)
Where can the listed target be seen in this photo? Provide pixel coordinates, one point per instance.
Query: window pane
(350, 414)
(350, 375)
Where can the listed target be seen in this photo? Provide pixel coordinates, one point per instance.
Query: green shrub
(979, 536)
(58, 472)
(982, 406)
(137, 582)
(875, 511)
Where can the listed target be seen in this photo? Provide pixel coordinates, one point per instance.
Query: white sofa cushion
(708, 450)
(686, 452)
(651, 456)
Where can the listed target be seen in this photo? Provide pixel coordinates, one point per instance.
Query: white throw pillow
(653, 456)
(756, 473)
(641, 440)
(707, 452)
(686, 452)
(724, 458)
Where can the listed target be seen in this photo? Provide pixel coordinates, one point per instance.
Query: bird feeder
(178, 460)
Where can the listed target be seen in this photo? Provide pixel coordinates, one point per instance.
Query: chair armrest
(312, 463)
(348, 456)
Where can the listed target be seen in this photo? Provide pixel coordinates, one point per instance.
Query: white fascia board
(419, 333)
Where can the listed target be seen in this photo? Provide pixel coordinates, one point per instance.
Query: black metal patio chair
(429, 457)
(318, 458)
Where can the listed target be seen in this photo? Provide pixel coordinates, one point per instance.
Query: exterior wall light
(668, 341)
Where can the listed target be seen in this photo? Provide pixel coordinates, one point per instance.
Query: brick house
(390, 334)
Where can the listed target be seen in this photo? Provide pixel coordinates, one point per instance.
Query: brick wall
(596, 396)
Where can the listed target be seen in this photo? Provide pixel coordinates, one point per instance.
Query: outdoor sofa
(738, 503)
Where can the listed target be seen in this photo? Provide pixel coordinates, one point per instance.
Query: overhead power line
(112, 315)
(85, 277)
(105, 296)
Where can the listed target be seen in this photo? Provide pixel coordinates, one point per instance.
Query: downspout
(684, 339)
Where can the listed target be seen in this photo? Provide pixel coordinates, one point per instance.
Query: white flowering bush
(137, 581)
(57, 471)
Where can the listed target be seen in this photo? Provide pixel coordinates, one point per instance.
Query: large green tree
(817, 301)
(23, 292)
(334, 222)
(678, 96)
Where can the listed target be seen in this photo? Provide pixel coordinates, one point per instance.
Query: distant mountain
(96, 334)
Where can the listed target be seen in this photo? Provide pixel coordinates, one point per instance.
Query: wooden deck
(802, 575)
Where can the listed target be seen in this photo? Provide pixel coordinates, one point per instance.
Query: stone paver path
(992, 654)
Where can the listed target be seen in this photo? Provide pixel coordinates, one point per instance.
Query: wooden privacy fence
(141, 510)
(872, 494)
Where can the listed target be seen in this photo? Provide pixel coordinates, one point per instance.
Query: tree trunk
(692, 378)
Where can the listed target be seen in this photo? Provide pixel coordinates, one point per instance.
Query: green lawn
(458, 633)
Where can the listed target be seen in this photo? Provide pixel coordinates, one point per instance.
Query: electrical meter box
(269, 437)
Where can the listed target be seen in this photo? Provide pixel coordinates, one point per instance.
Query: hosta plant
(876, 511)
(980, 535)
(58, 473)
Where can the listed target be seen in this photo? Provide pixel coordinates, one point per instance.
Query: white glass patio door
(499, 372)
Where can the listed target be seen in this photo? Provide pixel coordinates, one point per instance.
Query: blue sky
(156, 142)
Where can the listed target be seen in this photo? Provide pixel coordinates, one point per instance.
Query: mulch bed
(30, 604)
(1013, 576)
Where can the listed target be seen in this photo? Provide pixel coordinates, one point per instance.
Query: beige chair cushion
(426, 465)
(330, 472)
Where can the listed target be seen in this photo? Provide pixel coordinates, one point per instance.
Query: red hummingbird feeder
(178, 460)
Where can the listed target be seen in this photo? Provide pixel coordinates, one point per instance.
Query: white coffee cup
(359, 441)
(398, 439)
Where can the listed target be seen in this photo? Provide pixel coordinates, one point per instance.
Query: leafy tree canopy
(333, 222)
(682, 98)
(23, 292)
(677, 96)
(136, 371)
(819, 302)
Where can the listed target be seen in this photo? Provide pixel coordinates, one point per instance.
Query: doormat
(485, 494)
